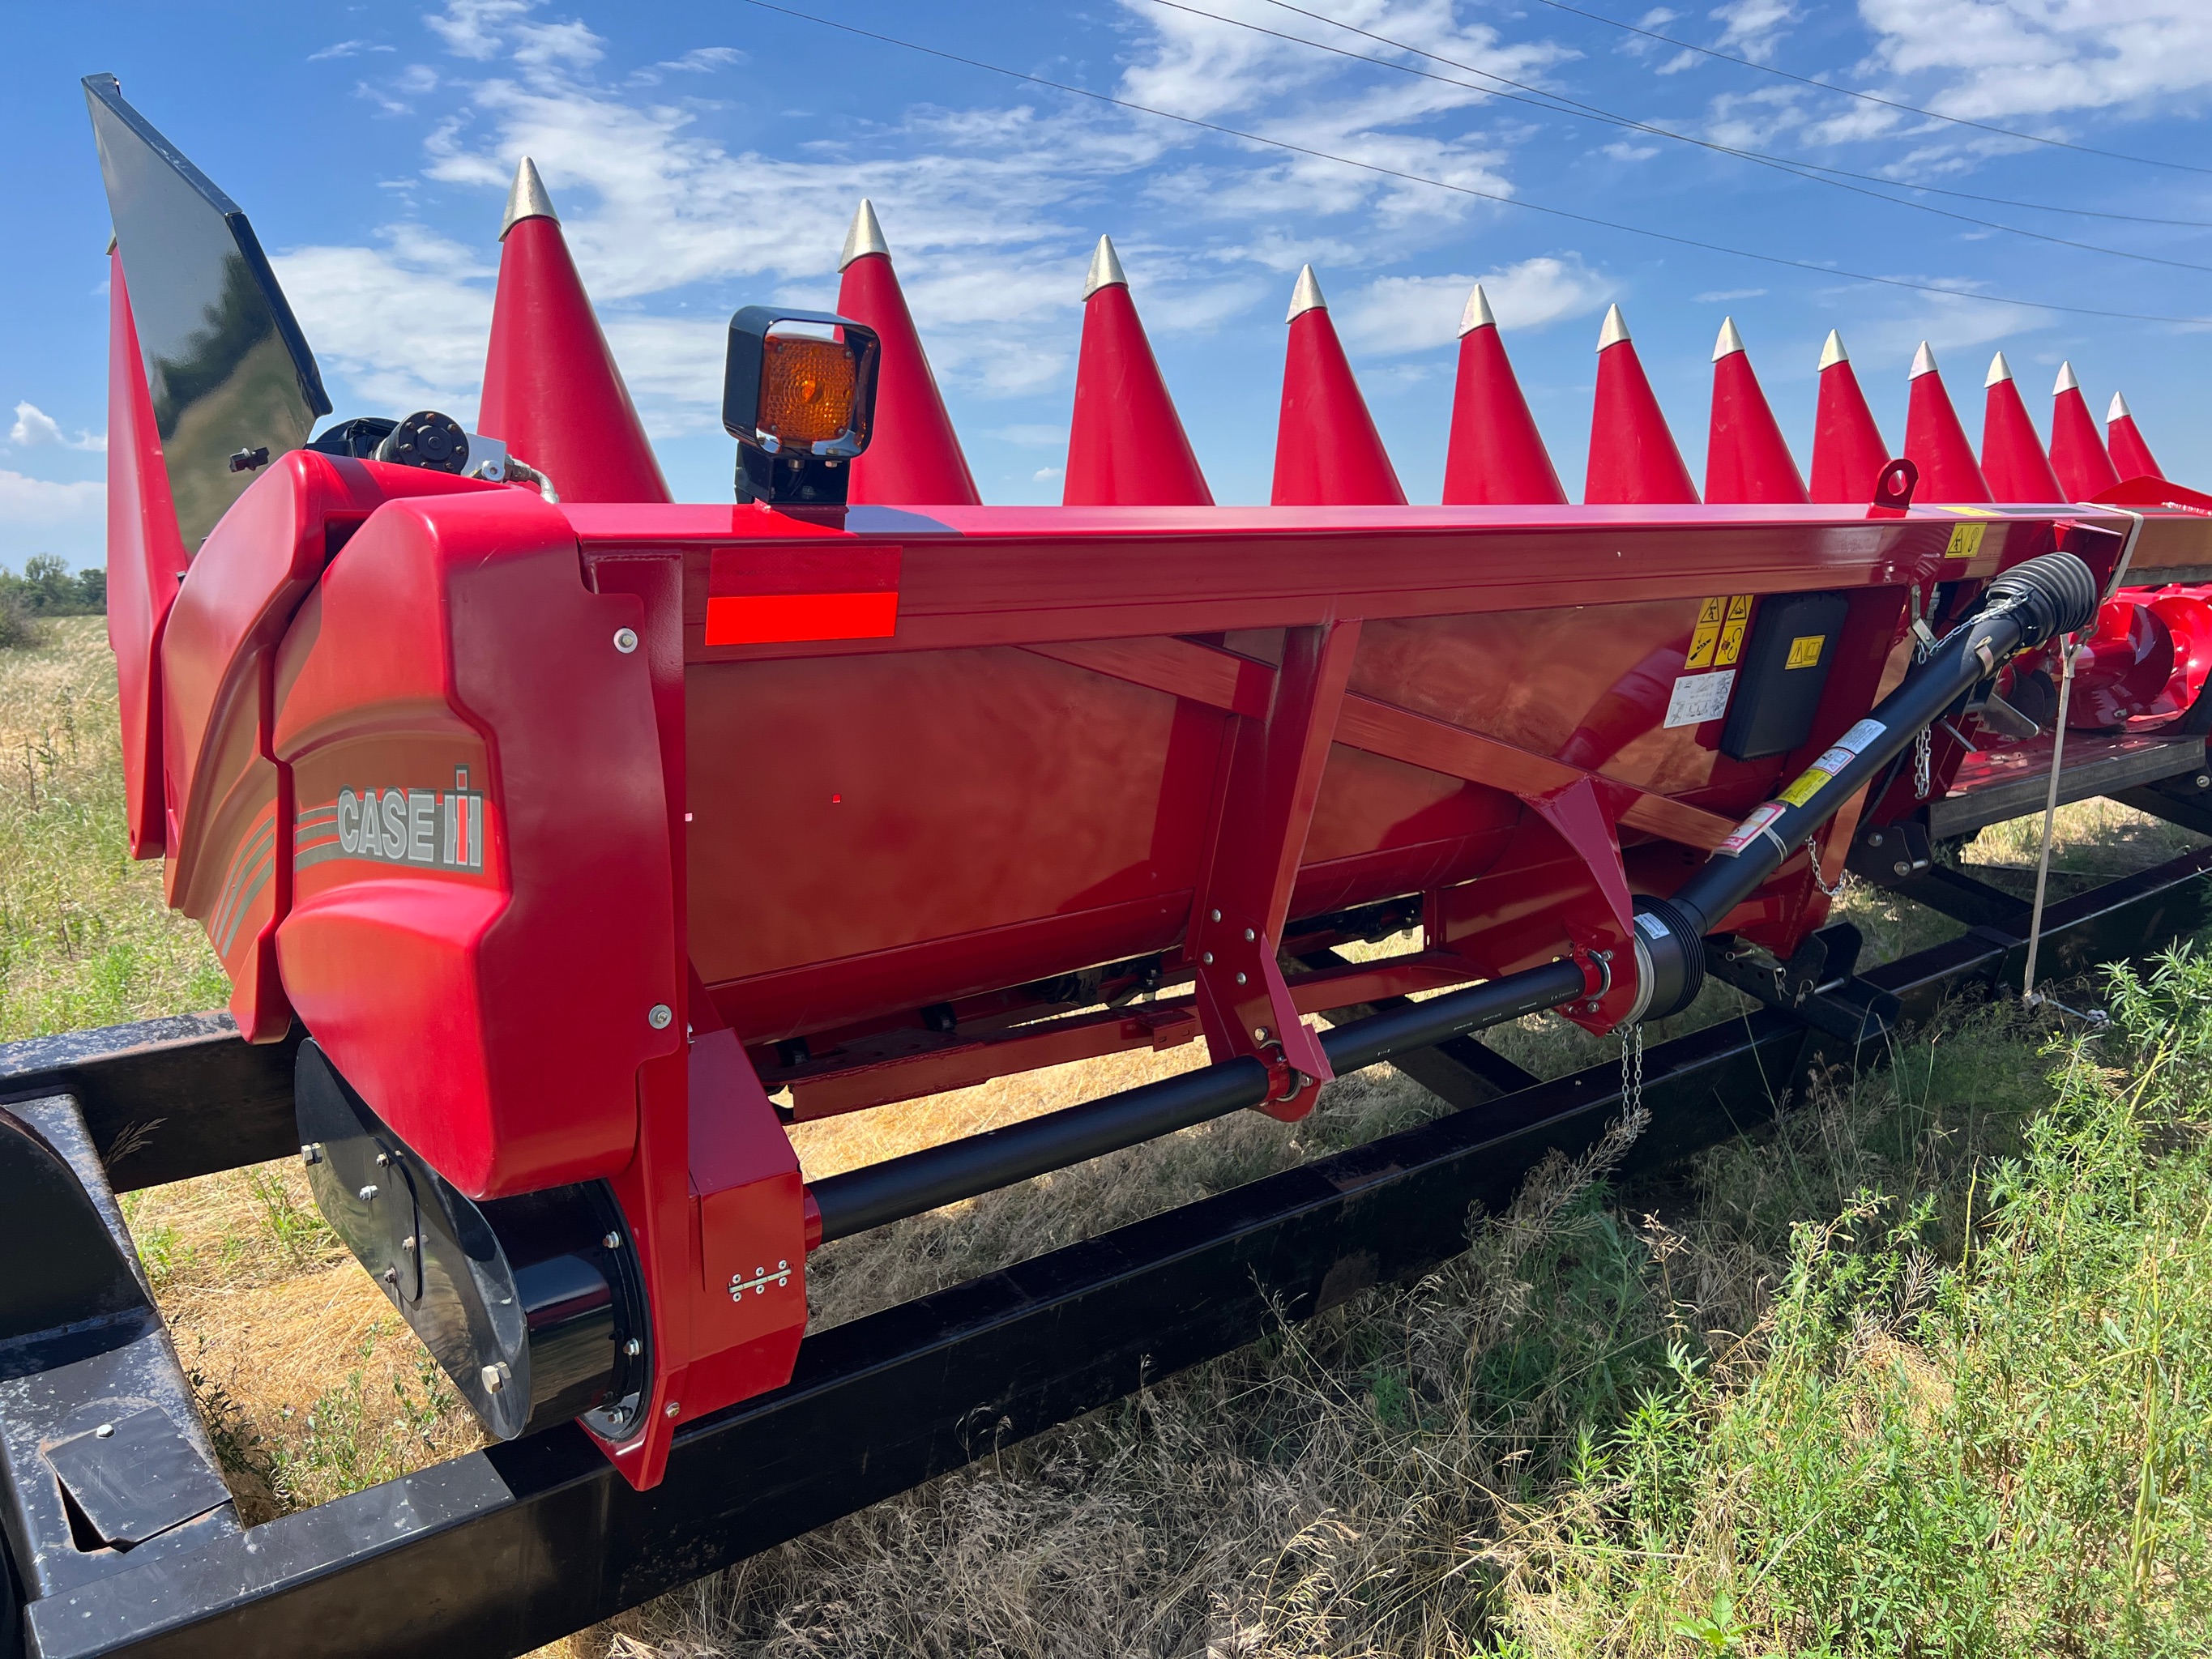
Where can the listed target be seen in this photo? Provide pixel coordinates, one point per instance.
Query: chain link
(1923, 746)
(1632, 1070)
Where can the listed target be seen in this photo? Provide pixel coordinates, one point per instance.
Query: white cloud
(1752, 28)
(1396, 314)
(34, 428)
(2039, 57)
(1722, 295)
(1884, 329)
(1622, 150)
(704, 60)
(38, 515)
(348, 49)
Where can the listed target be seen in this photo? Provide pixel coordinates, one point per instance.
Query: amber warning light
(799, 395)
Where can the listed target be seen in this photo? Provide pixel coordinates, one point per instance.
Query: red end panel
(1936, 444)
(227, 867)
(485, 970)
(1632, 457)
(2132, 456)
(916, 457)
(2077, 453)
(1496, 456)
(145, 561)
(551, 391)
(1127, 446)
(1328, 452)
(2013, 462)
(1848, 453)
(1747, 457)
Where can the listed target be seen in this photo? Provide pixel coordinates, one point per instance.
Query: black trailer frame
(513, 1546)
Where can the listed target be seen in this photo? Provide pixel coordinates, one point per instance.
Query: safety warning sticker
(1717, 640)
(1807, 783)
(1699, 697)
(1752, 828)
(1731, 642)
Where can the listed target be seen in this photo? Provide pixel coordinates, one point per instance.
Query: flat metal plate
(2009, 783)
(137, 1476)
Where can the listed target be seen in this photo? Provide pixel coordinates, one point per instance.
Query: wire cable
(1381, 171)
(1872, 98)
(1575, 107)
(1749, 155)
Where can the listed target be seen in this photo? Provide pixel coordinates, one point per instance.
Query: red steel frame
(1297, 710)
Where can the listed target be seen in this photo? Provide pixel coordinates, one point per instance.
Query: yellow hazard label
(1718, 640)
(1808, 784)
(1805, 650)
(1965, 541)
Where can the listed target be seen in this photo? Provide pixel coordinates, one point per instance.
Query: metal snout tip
(865, 236)
(1306, 296)
(526, 198)
(1105, 269)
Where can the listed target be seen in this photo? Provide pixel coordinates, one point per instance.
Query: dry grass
(1328, 1491)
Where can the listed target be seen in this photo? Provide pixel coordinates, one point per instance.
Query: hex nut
(495, 1377)
(633, 1347)
(625, 640)
(612, 1241)
(671, 1409)
(311, 1153)
(660, 1016)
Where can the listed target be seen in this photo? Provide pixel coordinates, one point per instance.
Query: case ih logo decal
(430, 829)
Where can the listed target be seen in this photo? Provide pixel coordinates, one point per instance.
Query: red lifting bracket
(1600, 931)
(1264, 795)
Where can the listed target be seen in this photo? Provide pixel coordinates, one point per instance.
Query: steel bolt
(383, 1160)
(1259, 1033)
(1903, 867)
(1216, 914)
(671, 1409)
(311, 1153)
(2204, 781)
(1249, 936)
(105, 1431)
(612, 1241)
(660, 1016)
(408, 1244)
(1207, 958)
(391, 1275)
(1240, 979)
(1589, 1007)
(625, 640)
(368, 1195)
(495, 1377)
(633, 1347)
(1874, 840)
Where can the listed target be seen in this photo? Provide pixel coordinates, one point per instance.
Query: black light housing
(801, 405)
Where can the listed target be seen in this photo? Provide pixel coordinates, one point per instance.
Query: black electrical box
(1785, 669)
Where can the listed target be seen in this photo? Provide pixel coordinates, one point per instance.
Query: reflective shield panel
(225, 361)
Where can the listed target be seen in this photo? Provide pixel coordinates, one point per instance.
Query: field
(1919, 1369)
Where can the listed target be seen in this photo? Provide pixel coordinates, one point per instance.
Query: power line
(1561, 105)
(1870, 98)
(1668, 132)
(1460, 189)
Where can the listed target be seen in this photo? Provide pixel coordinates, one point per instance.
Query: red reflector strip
(783, 619)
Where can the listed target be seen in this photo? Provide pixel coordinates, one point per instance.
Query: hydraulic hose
(2054, 594)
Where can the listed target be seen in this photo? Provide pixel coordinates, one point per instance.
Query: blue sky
(704, 157)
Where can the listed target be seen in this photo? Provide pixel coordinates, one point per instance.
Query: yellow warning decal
(1965, 541)
(1718, 640)
(1808, 784)
(1731, 642)
(1805, 650)
(1707, 634)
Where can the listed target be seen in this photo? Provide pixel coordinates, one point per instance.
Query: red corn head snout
(1126, 446)
(1848, 453)
(1746, 459)
(2077, 453)
(1935, 442)
(1496, 456)
(1632, 457)
(551, 392)
(2132, 456)
(1328, 452)
(2013, 461)
(914, 456)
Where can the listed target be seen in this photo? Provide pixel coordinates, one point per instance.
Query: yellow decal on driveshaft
(1807, 783)
(1731, 642)
(1805, 650)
